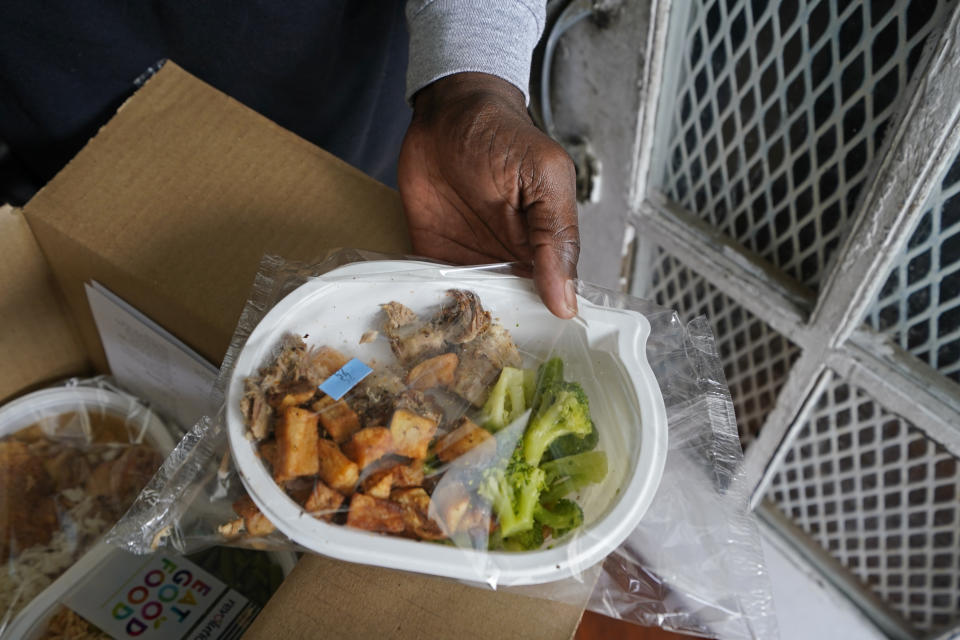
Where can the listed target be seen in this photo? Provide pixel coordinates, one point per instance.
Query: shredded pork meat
(463, 318)
(462, 326)
(481, 361)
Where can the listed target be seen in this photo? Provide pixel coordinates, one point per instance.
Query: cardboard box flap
(323, 598)
(38, 343)
(175, 200)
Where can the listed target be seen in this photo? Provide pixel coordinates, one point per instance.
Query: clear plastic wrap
(72, 459)
(390, 462)
(694, 563)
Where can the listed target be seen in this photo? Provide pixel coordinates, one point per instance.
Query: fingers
(554, 282)
(554, 232)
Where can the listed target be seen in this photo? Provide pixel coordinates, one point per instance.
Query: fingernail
(570, 293)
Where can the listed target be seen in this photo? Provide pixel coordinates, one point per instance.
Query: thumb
(555, 238)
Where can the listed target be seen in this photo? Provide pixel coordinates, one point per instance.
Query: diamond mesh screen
(919, 305)
(756, 359)
(778, 113)
(882, 498)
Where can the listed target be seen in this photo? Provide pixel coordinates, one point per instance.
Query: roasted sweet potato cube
(232, 529)
(375, 514)
(477, 518)
(416, 513)
(464, 438)
(408, 475)
(411, 433)
(300, 488)
(336, 416)
(291, 394)
(323, 501)
(336, 469)
(414, 497)
(258, 525)
(245, 507)
(297, 438)
(380, 483)
(268, 452)
(254, 522)
(454, 512)
(326, 360)
(368, 445)
(451, 503)
(437, 371)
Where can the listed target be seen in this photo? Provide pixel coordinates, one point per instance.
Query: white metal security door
(797, 180)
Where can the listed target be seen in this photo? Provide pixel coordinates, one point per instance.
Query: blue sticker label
(337, 385)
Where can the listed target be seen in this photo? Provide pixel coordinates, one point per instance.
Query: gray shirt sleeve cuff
(455, 36)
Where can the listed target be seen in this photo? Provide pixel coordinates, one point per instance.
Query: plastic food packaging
(110, 593)
(72, 459)
(81, 452)
(440, 420)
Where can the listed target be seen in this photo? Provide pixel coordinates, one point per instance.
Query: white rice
(35, 568)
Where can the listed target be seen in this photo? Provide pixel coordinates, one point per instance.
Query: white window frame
(827, 326)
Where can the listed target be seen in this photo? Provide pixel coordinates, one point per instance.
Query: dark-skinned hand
(480, 183)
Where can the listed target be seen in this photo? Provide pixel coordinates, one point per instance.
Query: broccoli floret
(528, 540)
(563, 410)
(514, 493)
(529, 386)
(509, 397)
(563, 516)
(566, 475)
(495, 541)
(548, 374)
(572, 444)
(525, 496)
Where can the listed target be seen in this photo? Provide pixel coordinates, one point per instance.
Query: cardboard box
(171, 207)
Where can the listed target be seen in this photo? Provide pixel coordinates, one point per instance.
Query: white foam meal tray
(338, 308)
